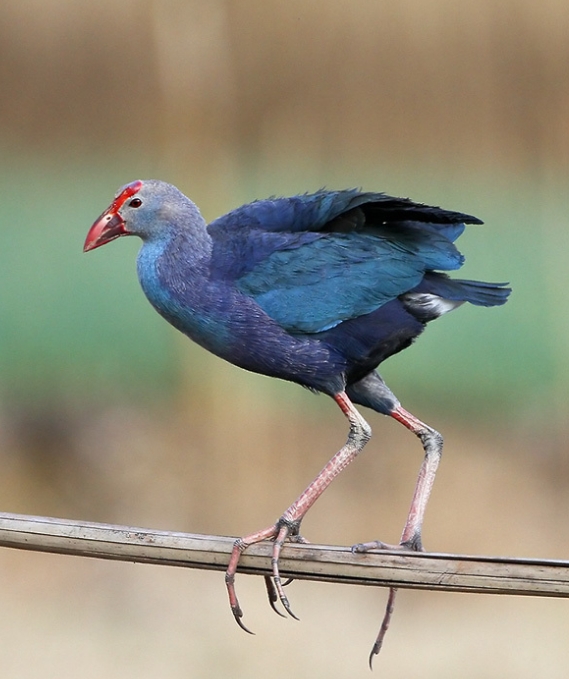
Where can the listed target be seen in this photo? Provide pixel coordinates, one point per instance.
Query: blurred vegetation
(464, 107)
(107, 413)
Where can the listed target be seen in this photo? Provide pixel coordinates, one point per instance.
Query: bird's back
(312, 288)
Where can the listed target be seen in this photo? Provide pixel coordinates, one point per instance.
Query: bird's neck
(178, 261)
(175, 277)
(191, 246)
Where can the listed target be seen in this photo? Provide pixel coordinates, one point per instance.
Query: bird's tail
(475, 292)
(438, 294)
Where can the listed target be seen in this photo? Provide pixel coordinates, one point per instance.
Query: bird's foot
(281, 532)
(412, 544)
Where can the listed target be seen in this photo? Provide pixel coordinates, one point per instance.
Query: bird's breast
(218, 317)
(181, 294)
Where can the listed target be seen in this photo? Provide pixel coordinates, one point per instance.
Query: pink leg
(411, 537)
(288, 526)
(432, 445)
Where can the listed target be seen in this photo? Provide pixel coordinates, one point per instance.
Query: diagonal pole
(412, 570)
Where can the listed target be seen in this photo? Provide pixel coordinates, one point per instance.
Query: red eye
(135, 202)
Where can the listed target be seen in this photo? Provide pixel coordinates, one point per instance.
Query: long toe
(239, 546)
(283, 535)
(377, 545)
(376, 648)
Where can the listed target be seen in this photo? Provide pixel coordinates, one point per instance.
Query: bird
(317, 289)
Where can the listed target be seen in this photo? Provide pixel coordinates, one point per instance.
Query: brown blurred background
(107, 414)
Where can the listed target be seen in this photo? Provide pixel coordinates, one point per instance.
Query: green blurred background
(107, 414)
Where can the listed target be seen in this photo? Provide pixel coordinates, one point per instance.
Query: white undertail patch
(430, 305)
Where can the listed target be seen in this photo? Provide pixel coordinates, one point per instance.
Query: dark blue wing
(313, 211)
(316, 260)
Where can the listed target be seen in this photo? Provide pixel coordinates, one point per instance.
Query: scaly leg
(411, 538)
(288, 526)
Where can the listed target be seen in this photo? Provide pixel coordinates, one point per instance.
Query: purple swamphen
(317, 289)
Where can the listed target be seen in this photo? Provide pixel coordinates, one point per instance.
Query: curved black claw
(272, 595)
(288, 609)
(238, 614)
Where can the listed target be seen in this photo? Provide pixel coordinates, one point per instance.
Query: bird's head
(141, 208)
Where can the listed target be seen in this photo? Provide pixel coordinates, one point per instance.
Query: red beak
(108, 226)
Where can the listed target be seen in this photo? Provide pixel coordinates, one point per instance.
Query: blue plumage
(315, 260)
(317, 289)
(344, 275)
